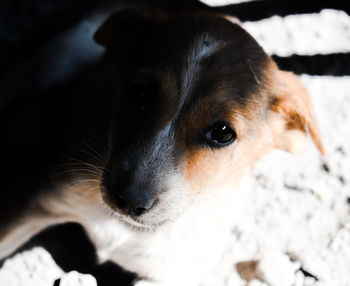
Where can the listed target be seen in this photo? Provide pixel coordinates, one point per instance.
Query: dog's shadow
(71, 249)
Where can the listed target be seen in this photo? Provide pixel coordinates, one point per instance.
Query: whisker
(97, 168)
(77, 182)
(89, 186)
(97, 142)
(77, 164)
(84, 171)
(99, 153)
(102, 158)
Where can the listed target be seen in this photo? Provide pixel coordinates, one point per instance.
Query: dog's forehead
(210, 56)
(197, 60)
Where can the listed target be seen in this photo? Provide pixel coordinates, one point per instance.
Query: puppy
(196, 103)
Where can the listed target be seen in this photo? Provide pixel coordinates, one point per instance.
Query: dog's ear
(126, 25)
(291, 114)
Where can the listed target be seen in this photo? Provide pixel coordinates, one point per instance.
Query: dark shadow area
(44, 132)
(332, 64)
(260, 9)
(26, 25)
(72, 250)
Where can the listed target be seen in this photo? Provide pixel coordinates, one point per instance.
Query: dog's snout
(135, 201)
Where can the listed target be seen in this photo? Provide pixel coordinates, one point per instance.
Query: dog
(196, 102)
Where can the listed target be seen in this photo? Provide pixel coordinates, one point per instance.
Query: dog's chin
(136, 223)
(141, 226)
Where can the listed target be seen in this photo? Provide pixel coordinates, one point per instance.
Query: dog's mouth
(141, 226)
(136, 223)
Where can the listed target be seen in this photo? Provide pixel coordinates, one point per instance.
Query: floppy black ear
(127, 25)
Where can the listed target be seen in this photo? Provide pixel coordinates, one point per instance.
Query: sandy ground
(298, 216)
(296, 228)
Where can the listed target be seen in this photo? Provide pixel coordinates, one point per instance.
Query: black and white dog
(150, 155)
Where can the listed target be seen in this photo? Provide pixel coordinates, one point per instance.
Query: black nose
(135, 201)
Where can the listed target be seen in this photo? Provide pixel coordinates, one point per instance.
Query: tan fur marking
(291, 100)
(207, 167)
(199, 168)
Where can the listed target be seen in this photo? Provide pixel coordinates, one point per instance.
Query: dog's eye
(220, 134)
(138, 95)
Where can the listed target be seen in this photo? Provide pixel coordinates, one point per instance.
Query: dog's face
(198, 101)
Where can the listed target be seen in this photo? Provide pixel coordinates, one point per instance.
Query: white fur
(179, 253)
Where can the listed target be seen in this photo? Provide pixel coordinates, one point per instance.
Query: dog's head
(198, 100)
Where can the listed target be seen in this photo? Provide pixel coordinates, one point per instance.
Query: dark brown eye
(139, 96)
(220, 134)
